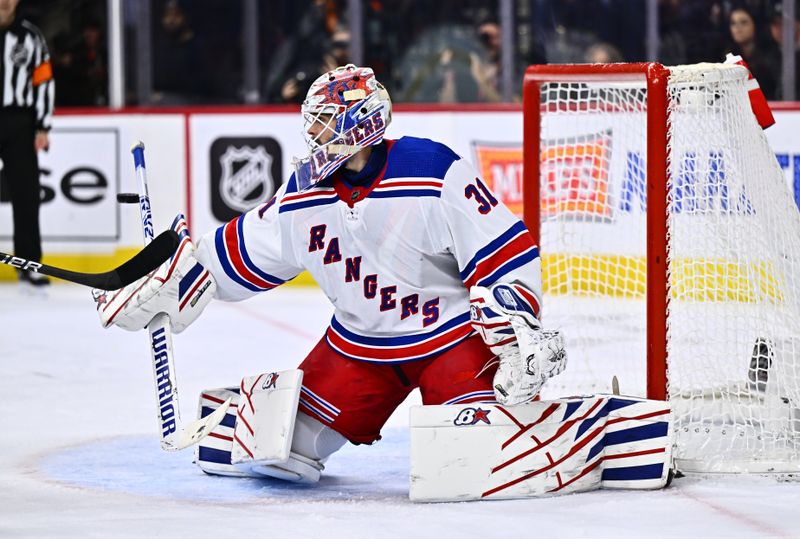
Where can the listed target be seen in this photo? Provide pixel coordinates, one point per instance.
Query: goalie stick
(145, 261)
(174, 435)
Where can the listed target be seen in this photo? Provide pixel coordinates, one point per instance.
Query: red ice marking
(221, 436)
(523, 428)
(243, 446)
(212, 399)
(246, 424)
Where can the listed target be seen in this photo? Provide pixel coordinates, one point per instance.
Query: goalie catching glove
(528, 354)
(181, 287)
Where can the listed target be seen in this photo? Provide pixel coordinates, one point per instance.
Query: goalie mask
(345, 111)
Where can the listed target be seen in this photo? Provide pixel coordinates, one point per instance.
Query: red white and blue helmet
(360, 111)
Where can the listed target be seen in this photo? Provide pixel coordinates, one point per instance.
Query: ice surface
(79, 454)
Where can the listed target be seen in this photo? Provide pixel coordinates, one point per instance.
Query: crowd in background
(443, 51)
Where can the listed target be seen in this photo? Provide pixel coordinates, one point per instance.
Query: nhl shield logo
(245, 172)
(246, 177)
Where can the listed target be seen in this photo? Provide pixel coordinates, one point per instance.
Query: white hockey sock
(314, 440)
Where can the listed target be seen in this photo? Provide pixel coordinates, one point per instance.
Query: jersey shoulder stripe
(235, 260)
(413, 157)
(318, 196)
(408, 187)
(399, 349)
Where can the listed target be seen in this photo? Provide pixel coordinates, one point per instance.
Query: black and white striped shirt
(26, 74)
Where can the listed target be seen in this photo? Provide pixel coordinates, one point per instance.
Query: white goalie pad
(541, 448)
(258, 428)
(265, 418)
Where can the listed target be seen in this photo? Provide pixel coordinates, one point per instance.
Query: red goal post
(655, 77)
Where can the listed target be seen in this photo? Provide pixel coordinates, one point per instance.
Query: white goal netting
(733, 243)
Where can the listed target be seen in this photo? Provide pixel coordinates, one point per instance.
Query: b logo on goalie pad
(539, 448)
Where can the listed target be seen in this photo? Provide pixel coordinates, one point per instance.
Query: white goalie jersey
(396, 258)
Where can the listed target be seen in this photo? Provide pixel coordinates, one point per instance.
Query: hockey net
(670, 246)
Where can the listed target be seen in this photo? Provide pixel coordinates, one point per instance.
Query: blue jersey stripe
(246, 257)
(491, 247)
(515, 263)
(403, 359)
(399, 193)
(292, 206)
(398, 341)
(222, 256)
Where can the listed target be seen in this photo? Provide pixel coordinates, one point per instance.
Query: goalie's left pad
(257, 440)
(540, 448)
(181, 287)
(528, 354)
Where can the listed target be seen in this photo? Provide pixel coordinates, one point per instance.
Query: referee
(27, 93)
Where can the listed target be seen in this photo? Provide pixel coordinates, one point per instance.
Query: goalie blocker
(542, 448)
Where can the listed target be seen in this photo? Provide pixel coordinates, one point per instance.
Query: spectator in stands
(70, 86)
(749, 40)
(90, 63)
(337, 54)
(776, 30)
(179, 69)
(602, 53)
(487, 73)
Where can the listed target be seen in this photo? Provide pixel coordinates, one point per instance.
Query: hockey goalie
(436, 285)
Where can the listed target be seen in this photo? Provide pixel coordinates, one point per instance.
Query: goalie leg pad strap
(541, 448)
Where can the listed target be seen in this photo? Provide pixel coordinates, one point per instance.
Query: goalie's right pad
(486, 451)
(181, 287)
(528, 354)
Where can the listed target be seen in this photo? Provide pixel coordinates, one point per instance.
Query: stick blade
(197, 430)
(148, 259)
